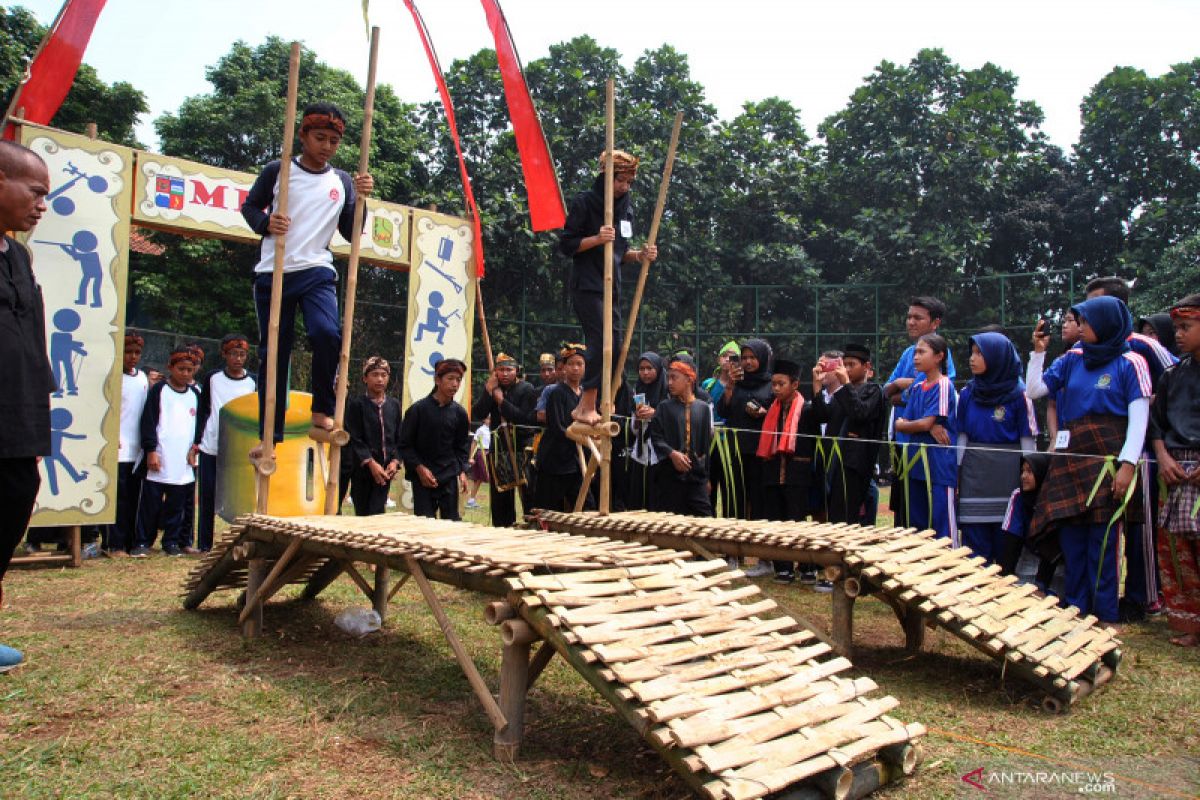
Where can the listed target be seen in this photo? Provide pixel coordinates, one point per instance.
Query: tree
(114, 108)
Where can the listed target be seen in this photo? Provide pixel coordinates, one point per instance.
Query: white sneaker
(732, 562)
(472, 503)
(761, 569)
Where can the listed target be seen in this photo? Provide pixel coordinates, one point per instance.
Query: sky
(812, 54)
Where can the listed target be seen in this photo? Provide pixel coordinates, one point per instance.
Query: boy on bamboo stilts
(320, 200)
(583, 238)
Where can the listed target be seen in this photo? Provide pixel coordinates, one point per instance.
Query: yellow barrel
(298, 485)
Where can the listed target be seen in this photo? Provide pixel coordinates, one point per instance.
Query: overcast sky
(813, 54)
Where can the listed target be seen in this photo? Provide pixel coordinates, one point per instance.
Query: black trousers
(681, 497)
(171, 501)
(442, 501)
(119, 535)
(640, 494)
(206, 488)
(558, 492)
(504, 504)
(19, 484)
(847, 493)
(589, 306)
(785, 504)
(370, 498)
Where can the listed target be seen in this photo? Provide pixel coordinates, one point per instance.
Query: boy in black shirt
(681, 433)
(373, 422)
(435, 442)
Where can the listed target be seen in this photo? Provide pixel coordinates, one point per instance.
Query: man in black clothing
(559, 474)
(435, 442)
(509, 407)
(583, 238)
(25, 402)
(373, 422)
(681, 434)
(852, 409)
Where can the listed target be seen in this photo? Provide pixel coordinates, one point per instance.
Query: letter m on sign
(202, 196)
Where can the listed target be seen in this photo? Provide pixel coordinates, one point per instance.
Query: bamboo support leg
(843, 619)
(252, 623)
(380, 599)
(320, 580)
(914, 630)
(75, 546)
(517, 636)
(539, 662)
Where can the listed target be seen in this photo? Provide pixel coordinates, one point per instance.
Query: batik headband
(320, 120)
(683, 368)
(181, 355)
(571, 349)
(234, 344)
(623, 163)
(505, 360)
(448, 365)
(376, 362)
(1185, 312)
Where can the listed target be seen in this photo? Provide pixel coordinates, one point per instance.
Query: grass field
(128, 695)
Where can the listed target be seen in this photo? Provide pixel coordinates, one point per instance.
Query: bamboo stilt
(360, 212)
(266, 462)
(606, 396)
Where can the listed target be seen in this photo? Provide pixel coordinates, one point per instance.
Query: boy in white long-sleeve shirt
(134, 388)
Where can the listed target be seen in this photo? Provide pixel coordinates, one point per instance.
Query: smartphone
(639, 399)
(831, 364)
(753, 406)
(734, 359)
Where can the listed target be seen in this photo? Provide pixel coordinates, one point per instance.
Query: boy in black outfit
(681, 434)
(855, 416)
(508, 405)
(373, 422)
(435, 439)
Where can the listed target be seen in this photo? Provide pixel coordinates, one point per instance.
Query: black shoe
(139, 552)
(172, 551)
(808, 576)
(785, 577)
(1129, 611)
(823, 586)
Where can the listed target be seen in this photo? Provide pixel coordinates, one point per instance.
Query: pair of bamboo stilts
(337, 436)
(610, 380)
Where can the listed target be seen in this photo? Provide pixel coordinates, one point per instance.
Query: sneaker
(823, 586)
(760, 570)
(191, 551)
(139, 552)
(1156, 608)
(472, 503)
(117, 554)
(91, 550)
(808, 576)
(785, 577)
(172, 551)
(10, 658)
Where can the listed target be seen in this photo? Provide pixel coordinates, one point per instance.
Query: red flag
(546, 209)
(53, 69)
(448, 106)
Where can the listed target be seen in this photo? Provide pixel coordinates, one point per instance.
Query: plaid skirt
(1063, 499)
(1176, 515)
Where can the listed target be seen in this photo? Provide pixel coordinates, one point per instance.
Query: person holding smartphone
(745, 398)
(650, 390)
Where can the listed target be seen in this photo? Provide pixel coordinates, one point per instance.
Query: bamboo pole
(266, 461)
(360, 212)
(606, 397)
(483, 328)
(267, 587)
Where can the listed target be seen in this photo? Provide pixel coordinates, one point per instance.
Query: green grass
(128, 695)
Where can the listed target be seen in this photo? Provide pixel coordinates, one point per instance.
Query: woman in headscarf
(1160, 328)
(745, 398)
(996, 424)
(1021, 504)
(648, 392)
(1105, 408)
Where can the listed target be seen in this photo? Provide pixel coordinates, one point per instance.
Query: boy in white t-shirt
(320, 200)
(168, 432)
(217, 388)
(118, 537)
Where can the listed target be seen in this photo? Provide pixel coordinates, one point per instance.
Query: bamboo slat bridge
(740, 699)
(925, 580)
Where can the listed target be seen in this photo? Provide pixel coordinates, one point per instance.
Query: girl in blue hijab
(996, 424)
(1105, 406)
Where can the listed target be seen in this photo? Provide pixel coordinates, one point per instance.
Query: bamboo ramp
(921, 576)
(741, 700)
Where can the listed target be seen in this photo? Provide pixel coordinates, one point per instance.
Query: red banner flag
(546, 209)
(448, 106)
(57, 60)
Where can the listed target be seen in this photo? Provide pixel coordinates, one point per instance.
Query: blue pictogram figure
(83, 249)
(65, 206)
(63, 349)
(434, 322)
(434, 358)
(60, 420)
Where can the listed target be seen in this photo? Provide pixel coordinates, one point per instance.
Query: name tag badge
(626, 229)
(1062, 440)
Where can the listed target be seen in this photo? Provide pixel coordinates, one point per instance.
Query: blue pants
(940, 518)
(314, 292)
(171, 501)
(984, 539)
(120, 535)
(1082, 560)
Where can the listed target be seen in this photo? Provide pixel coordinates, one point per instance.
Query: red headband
(685, 368)
(134, 338)
(234, 344)
(1185, 312)
(315, 121)
(183, 355)
(449, 365)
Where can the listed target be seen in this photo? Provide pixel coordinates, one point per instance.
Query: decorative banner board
(184, 196)
(441, 305)
(81, 259)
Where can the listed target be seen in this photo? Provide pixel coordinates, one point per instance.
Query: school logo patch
(334, 194)
(1103, 381)
(998, 413)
